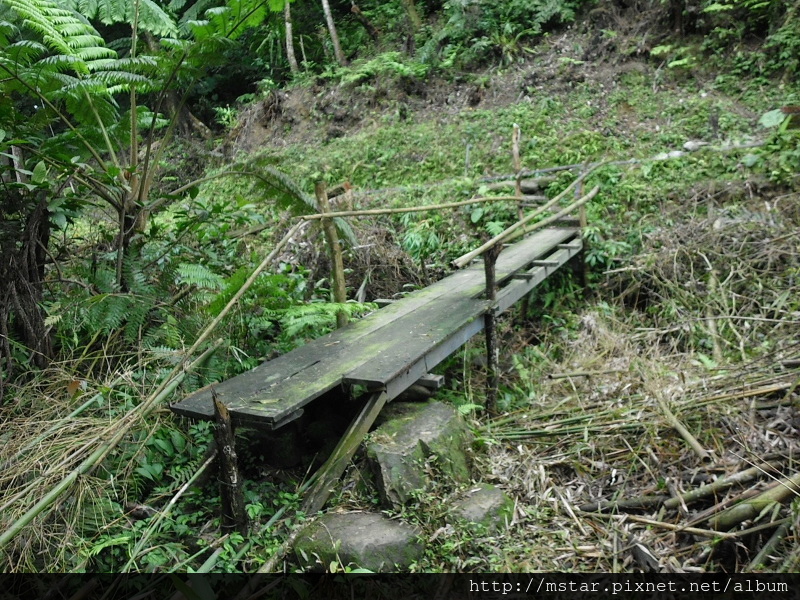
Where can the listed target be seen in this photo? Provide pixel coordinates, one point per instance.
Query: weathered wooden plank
(422, 344)
(333, 468)
(277, 388)
(527, 280)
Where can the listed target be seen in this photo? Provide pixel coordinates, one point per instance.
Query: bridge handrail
(464, 260)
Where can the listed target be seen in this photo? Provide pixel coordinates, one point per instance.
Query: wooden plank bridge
(391, 348)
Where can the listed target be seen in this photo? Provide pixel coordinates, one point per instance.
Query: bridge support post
(337, 263)
(234, 515)
(490, 327)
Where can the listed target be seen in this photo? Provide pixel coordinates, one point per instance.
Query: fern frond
(317, 318)
(299, 202)
(7, 32)
(199, 275)
(62, 31)
(151, 17)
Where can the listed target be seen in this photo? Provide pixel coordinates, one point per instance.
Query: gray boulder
(410, 435)
(485, 505)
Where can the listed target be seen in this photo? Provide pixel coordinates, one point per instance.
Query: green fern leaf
(200, 276)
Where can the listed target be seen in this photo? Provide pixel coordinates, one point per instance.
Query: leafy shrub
(476, 31)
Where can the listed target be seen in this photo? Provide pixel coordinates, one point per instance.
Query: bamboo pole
(751, 508)
(407, 209)
(337, 262)
(467, 258)
(684, 433)
(760, 559)
(717, 486)
(163, 514)
(661, 525)
(515, 137)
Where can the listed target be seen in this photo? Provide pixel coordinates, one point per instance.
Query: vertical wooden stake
(337, 264)
(490, 327)
(582, 253)
(234, 515)
(515, 137)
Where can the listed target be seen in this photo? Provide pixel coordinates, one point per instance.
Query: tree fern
(312, 320)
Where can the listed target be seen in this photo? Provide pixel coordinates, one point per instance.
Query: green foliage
(385, 65)
(147, 14)
(779, 157)
(731, 23)
(476, 31)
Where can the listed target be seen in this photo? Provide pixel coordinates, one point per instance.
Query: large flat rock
(365, 540)
(410, 435)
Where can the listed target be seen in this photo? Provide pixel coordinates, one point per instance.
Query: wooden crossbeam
(333, 468)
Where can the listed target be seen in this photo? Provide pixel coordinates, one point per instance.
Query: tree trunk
(287, 20)
(234, 513)
(413, 15)
(24, 236)
(337, 47)
(361, 18)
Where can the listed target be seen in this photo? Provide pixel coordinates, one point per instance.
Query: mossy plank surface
(387, 343)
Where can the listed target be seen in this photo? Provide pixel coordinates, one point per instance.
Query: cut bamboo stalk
(629, 504)
(156, 522)
(713, 488)
(749, 509)
(711, 324)
(515, 137)
(501, 237)
(760, 559)
(408, 209)
(584, 373)
(661, 525)
(337, 263)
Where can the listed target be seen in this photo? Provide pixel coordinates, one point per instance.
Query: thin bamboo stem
(661, 525)
(407, 209)
(155, 524)
(684, 433)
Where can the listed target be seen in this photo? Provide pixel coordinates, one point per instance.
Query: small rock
(485, 505)
(364, 540)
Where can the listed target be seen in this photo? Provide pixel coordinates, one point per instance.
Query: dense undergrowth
(692, 259)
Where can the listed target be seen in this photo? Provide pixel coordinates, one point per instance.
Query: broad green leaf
(772, 118)
(39, 174)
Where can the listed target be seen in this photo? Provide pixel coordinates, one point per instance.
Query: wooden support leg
(333, 468)
(234, 515)
(490, 327)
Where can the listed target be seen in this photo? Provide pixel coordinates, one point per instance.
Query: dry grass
(609, 443)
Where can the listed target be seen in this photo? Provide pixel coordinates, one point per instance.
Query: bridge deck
(391, 348)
